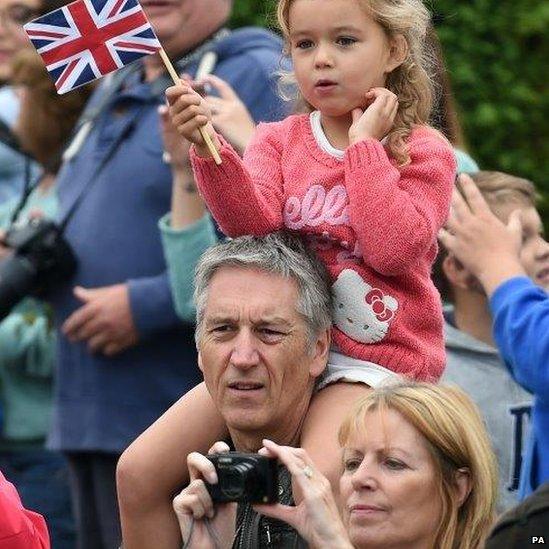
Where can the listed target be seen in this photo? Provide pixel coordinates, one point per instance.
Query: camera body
(244, 477)
(41, 259)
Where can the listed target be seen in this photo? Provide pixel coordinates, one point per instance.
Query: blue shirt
(520, 311)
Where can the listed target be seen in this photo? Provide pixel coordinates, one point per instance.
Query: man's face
(254, 351)
(181, 24)
(534, 252)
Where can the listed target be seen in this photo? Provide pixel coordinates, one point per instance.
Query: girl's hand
(230, 116)
(378, 118)
(213, 526)
(316, 518)
(176, 147)
(189, 112)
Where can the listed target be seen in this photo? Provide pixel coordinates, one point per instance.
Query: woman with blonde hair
(418, 472)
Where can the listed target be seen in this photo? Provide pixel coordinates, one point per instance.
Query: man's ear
(398, 51)
(463, 484)
(320, 353)
(200, 361)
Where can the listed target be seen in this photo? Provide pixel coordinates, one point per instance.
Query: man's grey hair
(279, 253)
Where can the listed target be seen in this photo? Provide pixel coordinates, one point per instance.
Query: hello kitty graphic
(361, 312)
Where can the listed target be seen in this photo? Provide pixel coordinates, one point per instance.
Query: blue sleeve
(152, 305)
(183, 249)
(520, 310)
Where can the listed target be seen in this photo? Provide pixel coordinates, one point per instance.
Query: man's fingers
(83, 294)
(80, 317)
(285, 513)
(98, 342)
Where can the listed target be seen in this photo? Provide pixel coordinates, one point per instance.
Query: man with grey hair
(263, 336)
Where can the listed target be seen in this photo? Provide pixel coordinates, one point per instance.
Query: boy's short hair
(499, 190)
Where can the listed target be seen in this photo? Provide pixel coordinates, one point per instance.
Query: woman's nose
(364, 477)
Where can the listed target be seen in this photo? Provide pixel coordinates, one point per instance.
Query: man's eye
(221, 329)
(346, 40)
(268, 332)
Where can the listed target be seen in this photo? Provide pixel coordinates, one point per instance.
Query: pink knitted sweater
(374, 225)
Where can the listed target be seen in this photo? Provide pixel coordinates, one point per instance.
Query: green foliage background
(496, 53)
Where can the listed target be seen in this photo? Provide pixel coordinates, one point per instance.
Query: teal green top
(27, 342)
(183, 248)
(465, 164)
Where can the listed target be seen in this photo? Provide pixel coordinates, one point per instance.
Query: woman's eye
(351, 464)
(346, 40)
(394, 464)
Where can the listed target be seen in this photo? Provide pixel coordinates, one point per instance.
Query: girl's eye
(304, 44)
(346, 41)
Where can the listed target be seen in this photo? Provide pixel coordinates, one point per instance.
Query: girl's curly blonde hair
(411, 81)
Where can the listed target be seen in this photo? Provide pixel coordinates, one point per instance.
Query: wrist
(495, 274)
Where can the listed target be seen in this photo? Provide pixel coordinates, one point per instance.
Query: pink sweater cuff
(366, 152)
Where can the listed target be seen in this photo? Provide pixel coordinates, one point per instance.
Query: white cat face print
(361, 312)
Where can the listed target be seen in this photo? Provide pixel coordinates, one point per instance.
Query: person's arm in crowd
(245, 197)
(19, 528)
(490, 250)
(316, 517)
(188, 230)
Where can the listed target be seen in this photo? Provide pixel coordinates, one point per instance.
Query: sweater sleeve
(397, 213)
(183, 248)
(244, 196)
(520, 311)
(19, 528)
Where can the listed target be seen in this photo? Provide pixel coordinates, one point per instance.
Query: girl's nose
(323, 57)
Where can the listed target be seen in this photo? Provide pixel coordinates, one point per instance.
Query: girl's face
(389, 487)
(339, 53)
(13, 15)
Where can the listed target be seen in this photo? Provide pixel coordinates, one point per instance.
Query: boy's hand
(377, 119)
(189, 112)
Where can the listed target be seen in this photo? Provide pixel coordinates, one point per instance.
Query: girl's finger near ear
(474, 197)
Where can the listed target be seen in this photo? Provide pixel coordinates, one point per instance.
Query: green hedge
(493, 49)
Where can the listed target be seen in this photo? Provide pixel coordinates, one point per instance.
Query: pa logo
(538, 539)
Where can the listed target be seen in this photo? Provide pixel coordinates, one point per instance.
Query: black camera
(244, 477)
(41, 258)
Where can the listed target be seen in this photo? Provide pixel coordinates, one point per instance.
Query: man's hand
(479, 240)
(208, 527)
(377, 119)
(104, 320)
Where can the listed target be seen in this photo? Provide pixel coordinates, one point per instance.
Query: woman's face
(13, 15)
(389, 487)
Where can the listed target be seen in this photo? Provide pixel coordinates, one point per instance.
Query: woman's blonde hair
(411, 81)
(457, 440)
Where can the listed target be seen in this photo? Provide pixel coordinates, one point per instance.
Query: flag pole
(205, 135)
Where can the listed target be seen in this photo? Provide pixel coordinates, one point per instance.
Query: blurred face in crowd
(13, 15)
(255, 354)
(534, 252)
(182, 24)
(389, 487)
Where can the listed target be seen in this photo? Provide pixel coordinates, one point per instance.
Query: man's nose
(244, 354)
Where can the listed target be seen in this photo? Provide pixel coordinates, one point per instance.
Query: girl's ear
(397, 53)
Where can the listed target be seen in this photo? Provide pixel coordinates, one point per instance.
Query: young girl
(361, 177)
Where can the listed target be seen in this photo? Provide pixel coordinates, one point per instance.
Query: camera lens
(235, 480)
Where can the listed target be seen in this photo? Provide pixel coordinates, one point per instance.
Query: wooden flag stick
(202, 130)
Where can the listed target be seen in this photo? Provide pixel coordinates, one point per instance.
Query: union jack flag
(90, 38)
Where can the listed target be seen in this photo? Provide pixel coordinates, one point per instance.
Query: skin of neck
(285, 433)
(336, 129)
(472, 314)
